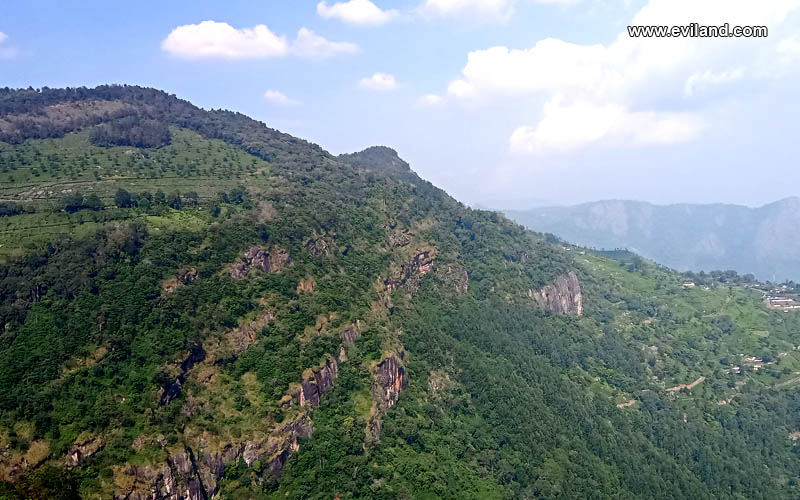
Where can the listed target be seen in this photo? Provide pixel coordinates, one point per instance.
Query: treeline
(131, 130)
(8, 209)
(144, 201)
(151, 104)
(728, 277)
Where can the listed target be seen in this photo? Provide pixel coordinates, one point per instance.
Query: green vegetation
(103, 308)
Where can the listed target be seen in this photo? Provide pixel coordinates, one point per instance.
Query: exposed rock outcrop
(351, 333)
(82, 449)
(189, 475)
(145, 482)
(306, 285)
(260, 258)
(184, 278)
(14, 462)
(315, 383)
(455, 275)
(389, 378)
(411, 273)
(171, 391)
(399, 238)
(244, 336)
(349, 336)
(563, 296)
(274, 450)
(320, 246)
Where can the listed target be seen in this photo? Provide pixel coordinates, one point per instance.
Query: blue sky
(500, 102)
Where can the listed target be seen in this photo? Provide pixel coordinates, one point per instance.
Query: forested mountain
(196, 306)
(761, 241)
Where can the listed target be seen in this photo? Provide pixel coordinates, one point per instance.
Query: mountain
(761, 241)
(196, 306)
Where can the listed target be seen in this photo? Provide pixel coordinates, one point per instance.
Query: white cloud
(486, 10)
(379, 81)
(215, 40)
(309, 44)
(211, 39)
(358, 12)
(705, 79)
(279, 98)
(429, 101)
(621, 82)
(575, 125)
(6, 52)
(461, 88)
(789, 46)
(480, 10)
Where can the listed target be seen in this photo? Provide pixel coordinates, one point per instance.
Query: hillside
(197, 306)
(760, 241)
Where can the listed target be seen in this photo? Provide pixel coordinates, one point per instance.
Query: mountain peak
(381, 157)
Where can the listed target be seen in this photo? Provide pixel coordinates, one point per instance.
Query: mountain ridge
(684, 236)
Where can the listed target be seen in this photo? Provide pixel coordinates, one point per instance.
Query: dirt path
(685, 386)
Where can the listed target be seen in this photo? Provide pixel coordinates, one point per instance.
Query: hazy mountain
(196, 306)
(763, 241)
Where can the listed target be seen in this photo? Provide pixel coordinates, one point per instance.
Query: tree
(123, 199)
(73, 202)
(175, 201)
(92, 202)
(191, 198)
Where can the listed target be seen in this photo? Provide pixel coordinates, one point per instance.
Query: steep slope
(760, 240)
(311, 326)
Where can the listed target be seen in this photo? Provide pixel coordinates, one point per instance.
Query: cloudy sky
(501, 102)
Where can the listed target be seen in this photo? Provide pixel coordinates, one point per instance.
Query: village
(782, 302)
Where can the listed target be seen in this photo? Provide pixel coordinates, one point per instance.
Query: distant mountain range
(764, 241)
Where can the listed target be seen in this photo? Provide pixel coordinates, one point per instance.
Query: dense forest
(195, 306)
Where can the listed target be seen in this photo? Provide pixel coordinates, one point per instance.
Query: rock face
(83, 449)
(306, 285)
(389, 379)
(410, 274)
(350, 334)
(399, 238)
(320, 247)
(563, 296)
(313, 385)
(261, 259)
(190, 476)
(245, 335)
(184, 278)
(275, 450)
(455, 275)
(171, 391)
(390, 376)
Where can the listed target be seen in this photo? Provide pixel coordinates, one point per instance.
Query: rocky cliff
(389, 378)
(186, 475)
(562, 296)
(410, 273)
(271, 261)
(315, 383)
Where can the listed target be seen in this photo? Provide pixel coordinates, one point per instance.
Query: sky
(502, 103)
